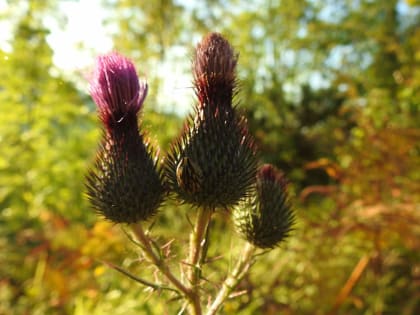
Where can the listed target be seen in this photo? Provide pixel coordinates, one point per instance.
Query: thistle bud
(213, 163)
(214, 72)
(265, 219)
(124, 185)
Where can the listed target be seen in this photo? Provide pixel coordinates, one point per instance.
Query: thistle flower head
(265, 219)
(116, 89)
(214, 71)
(213, 163)
(125, 184)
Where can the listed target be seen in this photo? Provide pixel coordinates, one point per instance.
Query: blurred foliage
(331, 90)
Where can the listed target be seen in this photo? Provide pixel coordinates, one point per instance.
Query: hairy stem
(232, 280)
(197, 250)
(189, 294)
(197, 244)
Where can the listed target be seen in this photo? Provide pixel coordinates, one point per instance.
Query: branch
(350, 283)
(164, 268)
(242, 267)
(197, 245)
(198, 242)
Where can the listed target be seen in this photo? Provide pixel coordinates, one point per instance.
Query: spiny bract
(265, 218)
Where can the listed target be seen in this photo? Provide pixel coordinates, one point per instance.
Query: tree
(46, 131)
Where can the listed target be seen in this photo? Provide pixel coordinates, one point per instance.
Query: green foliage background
(331, 90)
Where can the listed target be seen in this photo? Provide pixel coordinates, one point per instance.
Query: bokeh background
(331, 90)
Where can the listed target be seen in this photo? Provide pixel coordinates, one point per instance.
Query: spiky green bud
(213, 163)
(266, 218)
(125, 184)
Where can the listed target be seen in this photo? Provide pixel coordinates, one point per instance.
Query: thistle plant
(212, 166)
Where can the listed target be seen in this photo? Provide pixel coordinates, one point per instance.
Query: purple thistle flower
(116, 89)
(214, 71)
(124, 185)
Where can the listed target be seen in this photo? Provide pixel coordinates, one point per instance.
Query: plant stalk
(241, 268)
(197, 250)
(197, 242)
(189, 294)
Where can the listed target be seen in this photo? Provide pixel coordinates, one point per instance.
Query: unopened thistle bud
(266, 218)
(214, 72)
(213, 163)
(124, 185)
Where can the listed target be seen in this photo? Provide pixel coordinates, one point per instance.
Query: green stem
(197, 252)
(197, 244)
(189, 294)
(241, 268)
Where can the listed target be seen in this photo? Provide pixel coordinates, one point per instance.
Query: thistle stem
(164, 268)
(197, 250)
(241, 268)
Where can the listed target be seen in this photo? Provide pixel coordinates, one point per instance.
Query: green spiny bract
(124, 185)
(213, 163)
(265, 218)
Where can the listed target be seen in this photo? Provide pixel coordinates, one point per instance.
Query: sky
(84, 28)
